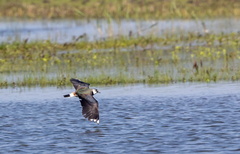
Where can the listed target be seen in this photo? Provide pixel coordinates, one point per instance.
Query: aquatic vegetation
(187, 58)
(136, 9)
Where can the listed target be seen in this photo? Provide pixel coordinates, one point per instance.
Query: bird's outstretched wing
(79, 84)
(90, 108)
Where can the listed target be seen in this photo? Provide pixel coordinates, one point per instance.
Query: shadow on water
(93, 132)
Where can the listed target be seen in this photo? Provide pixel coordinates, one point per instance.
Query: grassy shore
(187, 58)
(134, 9)
(148, 59)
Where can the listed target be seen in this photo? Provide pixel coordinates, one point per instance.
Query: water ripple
(131, 122)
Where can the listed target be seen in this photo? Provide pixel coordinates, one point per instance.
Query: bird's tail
(73, 94)
(67, 95)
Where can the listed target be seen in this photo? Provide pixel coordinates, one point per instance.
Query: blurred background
(45, 42)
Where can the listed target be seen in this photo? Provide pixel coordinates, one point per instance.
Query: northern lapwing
(88, 102)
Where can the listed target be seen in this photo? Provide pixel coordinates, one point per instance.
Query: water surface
(178, 118)
(69, 30)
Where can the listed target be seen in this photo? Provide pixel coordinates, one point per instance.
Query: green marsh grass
(123, 60)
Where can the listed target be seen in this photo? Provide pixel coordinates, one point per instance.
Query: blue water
(178, 118)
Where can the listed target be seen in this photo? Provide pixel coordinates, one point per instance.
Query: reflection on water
(69, 30)
(180, 118)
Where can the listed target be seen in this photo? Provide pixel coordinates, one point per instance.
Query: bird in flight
(88, 102)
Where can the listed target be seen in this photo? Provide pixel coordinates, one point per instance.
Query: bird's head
(94, 91)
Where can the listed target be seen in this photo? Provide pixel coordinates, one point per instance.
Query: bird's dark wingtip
(76, 81)
(72, 79)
